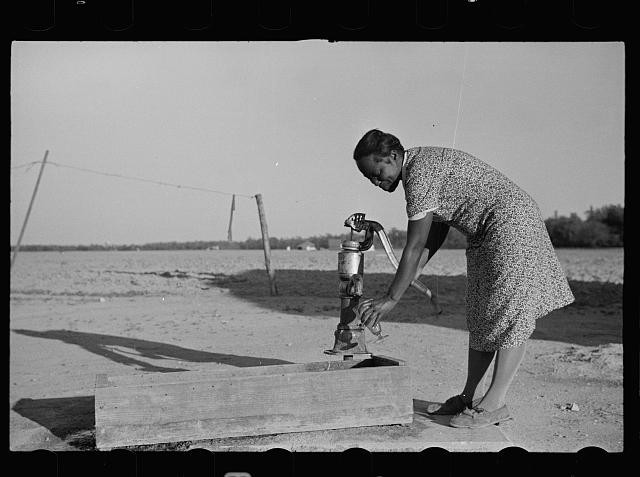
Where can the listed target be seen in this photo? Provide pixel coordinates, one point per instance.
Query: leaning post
(26, 219)
(265, 244)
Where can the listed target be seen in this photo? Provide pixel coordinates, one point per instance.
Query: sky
(282, 119)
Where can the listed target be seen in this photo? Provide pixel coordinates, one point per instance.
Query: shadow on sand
(314, 293)
(72, 419)
(103, 345)
(420, 408)
(594, 318)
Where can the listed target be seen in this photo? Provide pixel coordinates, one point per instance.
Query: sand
(73, 316)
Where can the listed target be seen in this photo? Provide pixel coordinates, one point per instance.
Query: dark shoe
(451, 406)
(477, 417)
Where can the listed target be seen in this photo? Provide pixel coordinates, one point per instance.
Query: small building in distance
(306, 245)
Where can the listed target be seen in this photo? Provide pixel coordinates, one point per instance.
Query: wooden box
(193, 405)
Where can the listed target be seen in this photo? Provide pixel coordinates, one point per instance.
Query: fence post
(233, 207)
(26, 219)
(266, 246)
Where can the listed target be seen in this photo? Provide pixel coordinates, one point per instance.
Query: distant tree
(595, 234)
(564, 231)
(610, 215)
(603, 228)
(455, 238)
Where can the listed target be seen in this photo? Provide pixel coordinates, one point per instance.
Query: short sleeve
(421, 189)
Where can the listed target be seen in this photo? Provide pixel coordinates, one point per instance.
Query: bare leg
(507, 362)
(478, 364)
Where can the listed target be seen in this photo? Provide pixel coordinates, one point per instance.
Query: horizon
(300, 237)
(282, 118)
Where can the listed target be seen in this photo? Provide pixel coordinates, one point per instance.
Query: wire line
(28, 164)
(151, 181)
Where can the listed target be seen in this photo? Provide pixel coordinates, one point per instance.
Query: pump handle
(358, 223)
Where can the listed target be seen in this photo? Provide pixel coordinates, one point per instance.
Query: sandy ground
(567, 394)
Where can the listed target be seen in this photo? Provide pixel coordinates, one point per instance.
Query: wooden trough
(193, 405)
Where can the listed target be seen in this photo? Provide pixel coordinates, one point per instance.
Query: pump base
(348, 354)
(349, 341)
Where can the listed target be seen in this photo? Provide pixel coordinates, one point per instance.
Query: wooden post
(266, 246)
(26, 219)
(233, 207)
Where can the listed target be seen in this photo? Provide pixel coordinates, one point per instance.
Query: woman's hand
(372, 310)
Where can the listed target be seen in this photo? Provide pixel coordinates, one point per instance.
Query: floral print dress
(513, 274)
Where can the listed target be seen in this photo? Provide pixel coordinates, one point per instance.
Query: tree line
(603, 227)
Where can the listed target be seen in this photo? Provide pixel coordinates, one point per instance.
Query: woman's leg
(507, 362)
(477, 366)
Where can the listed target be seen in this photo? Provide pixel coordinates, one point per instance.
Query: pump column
(349, 335)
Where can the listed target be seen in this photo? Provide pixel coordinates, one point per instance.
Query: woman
(513, 273)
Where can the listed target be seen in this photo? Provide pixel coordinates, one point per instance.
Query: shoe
(451, 406)
(477, 417)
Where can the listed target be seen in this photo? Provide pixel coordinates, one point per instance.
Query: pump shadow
(314, 293)
(132, 352)
(72, 419)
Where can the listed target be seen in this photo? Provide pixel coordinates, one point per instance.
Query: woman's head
(378, 143)
(379, 157)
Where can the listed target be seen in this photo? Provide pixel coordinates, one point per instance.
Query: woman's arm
(417, 233)
(371, 311)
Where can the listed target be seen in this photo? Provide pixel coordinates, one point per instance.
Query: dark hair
(378, 143)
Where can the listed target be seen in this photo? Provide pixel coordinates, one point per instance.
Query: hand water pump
(350, 334)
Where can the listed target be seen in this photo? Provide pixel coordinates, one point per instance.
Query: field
(77, 314)
(110, 274)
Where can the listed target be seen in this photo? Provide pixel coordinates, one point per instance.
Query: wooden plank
(195, 376)
(282, 393)
(252, 401)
